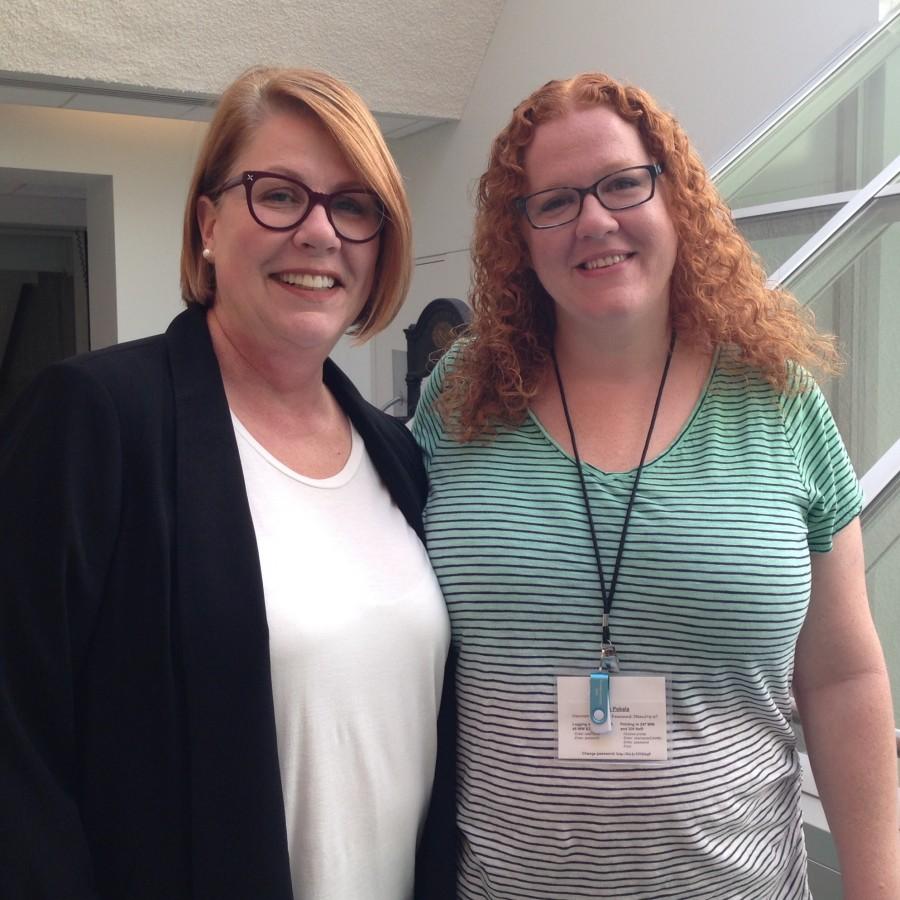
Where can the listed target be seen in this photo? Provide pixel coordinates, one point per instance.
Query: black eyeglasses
(621, 190)
(281, 203)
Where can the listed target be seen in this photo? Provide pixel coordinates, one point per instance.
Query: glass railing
(853, 285)
(777, 236)
(817, 193)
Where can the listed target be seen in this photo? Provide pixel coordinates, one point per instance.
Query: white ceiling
(413, 61)
(70, 94)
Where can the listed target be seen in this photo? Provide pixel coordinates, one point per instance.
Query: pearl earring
(207, 254)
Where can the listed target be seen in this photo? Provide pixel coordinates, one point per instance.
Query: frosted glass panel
(835, 143)
(839, 138)
(778, 236)
(853, 286)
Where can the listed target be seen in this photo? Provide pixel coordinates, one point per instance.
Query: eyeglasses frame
(316, 198)
(655, 170)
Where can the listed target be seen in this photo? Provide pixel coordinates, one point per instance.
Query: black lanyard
(609, 595)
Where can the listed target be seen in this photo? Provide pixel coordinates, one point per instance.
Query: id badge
(613, 717)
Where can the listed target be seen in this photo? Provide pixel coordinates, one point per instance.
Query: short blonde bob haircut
(243, 107)
(718, 293)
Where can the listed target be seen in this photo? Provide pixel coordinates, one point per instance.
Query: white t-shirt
(358, 635)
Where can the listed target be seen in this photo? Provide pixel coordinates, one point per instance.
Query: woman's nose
(595, 219)
(316, 230)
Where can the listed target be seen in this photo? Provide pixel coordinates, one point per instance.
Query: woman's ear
(207, 214)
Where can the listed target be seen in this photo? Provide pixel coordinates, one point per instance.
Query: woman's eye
(281, 196)
(622, 184)
(350, 206)
(555, 203)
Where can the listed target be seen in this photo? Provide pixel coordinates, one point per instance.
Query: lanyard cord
(609, 595)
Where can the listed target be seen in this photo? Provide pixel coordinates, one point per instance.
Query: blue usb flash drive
(601, 719)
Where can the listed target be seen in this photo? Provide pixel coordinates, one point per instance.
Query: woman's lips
(604, 262)
(307, 280)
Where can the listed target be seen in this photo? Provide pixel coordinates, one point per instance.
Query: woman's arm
(843, 694)
(59, 510)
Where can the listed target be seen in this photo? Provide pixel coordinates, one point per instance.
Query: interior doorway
(44, 304)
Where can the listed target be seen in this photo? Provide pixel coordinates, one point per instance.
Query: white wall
(720, 67)
(139, 171)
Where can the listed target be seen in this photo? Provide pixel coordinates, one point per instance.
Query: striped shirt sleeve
(834, 494)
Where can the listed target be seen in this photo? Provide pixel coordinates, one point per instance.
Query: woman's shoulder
(799, 407)
(449, 362)
(427, 416)
(86, 408)
(118, 375)
(110, 364)
(731, 368)
(128, 386)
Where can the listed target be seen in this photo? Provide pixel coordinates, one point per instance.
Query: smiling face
(279, 292)
(604, 268)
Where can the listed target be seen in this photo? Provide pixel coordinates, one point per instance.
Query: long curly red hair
(718, 293)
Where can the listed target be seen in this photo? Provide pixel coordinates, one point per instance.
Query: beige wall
(138, 170)
(722, 68)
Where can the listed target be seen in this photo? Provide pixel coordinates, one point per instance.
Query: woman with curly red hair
(645, 526)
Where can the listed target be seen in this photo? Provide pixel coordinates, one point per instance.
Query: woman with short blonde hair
(222, 643)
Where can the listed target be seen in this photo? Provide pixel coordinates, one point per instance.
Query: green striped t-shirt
(713, 590)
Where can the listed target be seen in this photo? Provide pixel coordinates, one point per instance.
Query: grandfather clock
(427, 341)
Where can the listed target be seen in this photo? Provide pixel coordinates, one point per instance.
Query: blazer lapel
(239, 844)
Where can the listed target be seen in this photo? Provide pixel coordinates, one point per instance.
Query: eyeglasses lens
(626, 188)
(621, 190)
(355, 215)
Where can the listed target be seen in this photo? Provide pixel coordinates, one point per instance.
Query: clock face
(442, 335)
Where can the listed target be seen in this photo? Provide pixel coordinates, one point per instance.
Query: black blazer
(137, 736)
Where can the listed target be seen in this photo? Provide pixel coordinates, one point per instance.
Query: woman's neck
(286, 407)
(271, 390)
(294, 379)
(612, 355)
